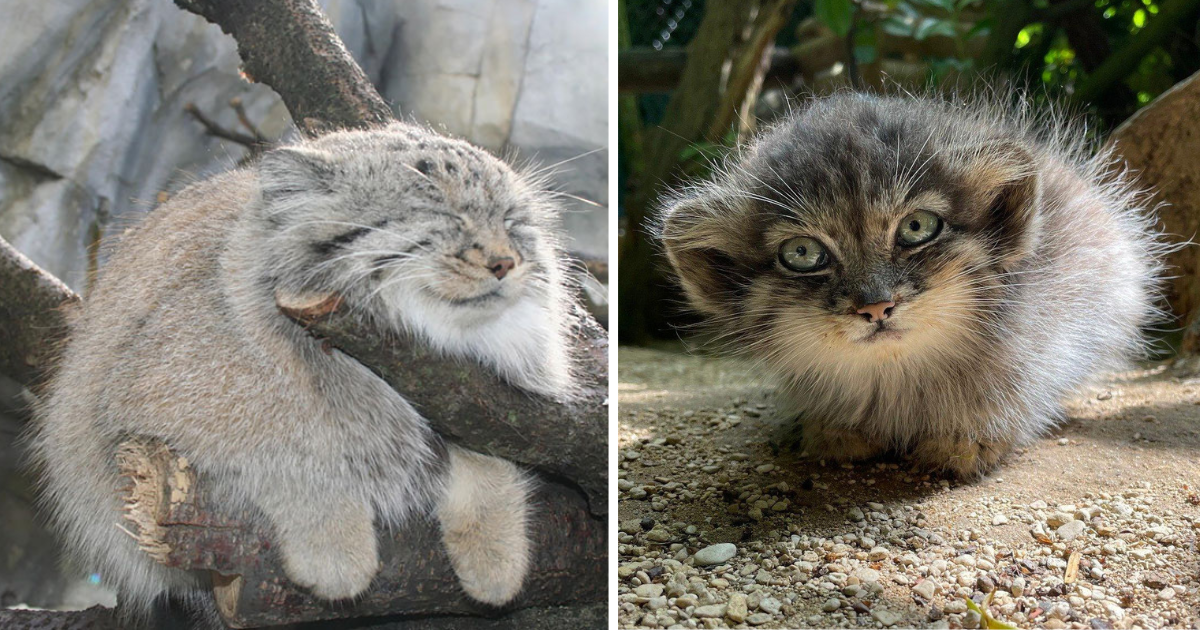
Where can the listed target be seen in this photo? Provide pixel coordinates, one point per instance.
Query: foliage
(1119, 54)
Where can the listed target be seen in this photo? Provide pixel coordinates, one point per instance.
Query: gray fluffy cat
(925, 276)
(181, 340)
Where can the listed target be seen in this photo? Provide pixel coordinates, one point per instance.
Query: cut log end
(307, 307)
(142, 463)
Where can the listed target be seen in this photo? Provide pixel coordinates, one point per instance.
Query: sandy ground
(1094, 526)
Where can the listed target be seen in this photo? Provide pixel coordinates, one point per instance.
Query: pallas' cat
(181, 340)
(925, 276)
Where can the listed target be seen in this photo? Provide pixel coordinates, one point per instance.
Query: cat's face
(403, 216)
(861, 230)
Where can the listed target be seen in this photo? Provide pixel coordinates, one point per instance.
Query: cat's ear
(1005, 181)
(295, 171)
(696, 237)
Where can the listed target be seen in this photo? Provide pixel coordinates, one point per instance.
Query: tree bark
(291, 46)
(95, 618)
(1160, 144)
(705, 95)
(33, 321)
(468, 404)
(173, 519)
(641, 70)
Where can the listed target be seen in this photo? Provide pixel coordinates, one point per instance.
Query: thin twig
(215, 129)
(236, 104)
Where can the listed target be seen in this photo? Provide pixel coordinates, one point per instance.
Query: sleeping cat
(925, 276)
(181, 340)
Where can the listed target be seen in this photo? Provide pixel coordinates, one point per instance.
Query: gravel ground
(725, 524)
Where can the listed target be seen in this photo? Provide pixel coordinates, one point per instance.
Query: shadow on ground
(705, 459)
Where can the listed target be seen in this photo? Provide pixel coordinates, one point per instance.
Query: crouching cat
(924, 276)
(181, 340)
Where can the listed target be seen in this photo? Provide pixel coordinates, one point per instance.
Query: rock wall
(527, 78)
(92, 95)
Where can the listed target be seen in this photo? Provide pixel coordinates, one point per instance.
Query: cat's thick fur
(181, 340)
(1043, 272)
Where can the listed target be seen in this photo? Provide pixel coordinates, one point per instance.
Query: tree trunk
(705, 97)
(1160, 144)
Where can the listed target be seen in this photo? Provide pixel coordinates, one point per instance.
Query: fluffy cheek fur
(523, 338)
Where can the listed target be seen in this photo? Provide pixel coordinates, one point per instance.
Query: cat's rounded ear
(1004, 179)
(294, 171)
(697, 236)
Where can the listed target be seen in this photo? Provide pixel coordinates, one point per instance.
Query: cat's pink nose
(501, 266)
(877, 312)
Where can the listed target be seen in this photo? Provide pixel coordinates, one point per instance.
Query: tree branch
(33, 321)
(173, 519)
(291, 46)
(214, 128)
(468, 404)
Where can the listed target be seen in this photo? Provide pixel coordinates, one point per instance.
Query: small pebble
(711, 611)
(886, 617)
(649, 590)
(715, 554)
(1070, 530)
(737, 608)
(831, 604)
(770, 605)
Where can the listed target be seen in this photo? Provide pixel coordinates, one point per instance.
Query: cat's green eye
(919, 228)
(803, 254)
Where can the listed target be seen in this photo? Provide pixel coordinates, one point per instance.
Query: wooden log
(173, 519)
(94, 618)
(468, 404)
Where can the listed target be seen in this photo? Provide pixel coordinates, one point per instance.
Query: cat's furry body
(181, 340)
(1040, 271)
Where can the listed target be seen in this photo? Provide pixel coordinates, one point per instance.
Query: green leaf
(944, 5)
(982, 28)
(897, 26)
(836, 14)
(989, 621)
(929, 27)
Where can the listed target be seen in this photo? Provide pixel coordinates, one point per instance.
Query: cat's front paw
(483, 517)
(837, 444)
(337, 563)
(964, 458)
